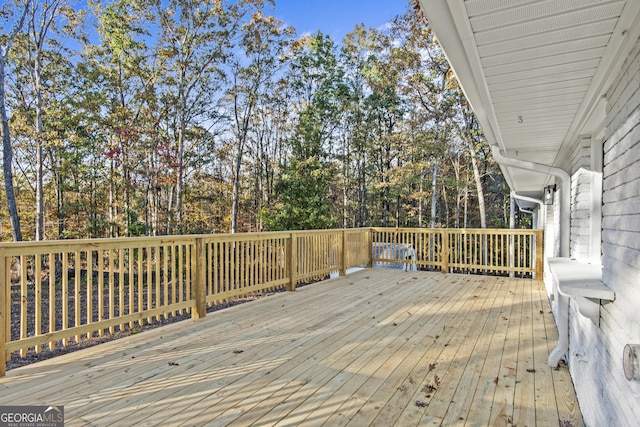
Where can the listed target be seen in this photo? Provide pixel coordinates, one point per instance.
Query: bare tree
(470, 134)
(40, 22)
(7, 150)
(262, 44)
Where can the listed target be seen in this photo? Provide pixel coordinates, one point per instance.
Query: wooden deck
(378, 347)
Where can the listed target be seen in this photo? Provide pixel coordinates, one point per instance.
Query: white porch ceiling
(535, 71)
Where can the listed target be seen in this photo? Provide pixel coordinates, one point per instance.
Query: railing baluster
(139, 274)
(146, 279)
(77, 269)
(100, 291)
(52, 298)
(65, 295)
(167, 279)
(37, 280)
(130, 284)
(181, 275)
(23, 301)
(217, 269)
(189, 274)
(121, 300)
(5, 310)
(112, 296)
(89, 291)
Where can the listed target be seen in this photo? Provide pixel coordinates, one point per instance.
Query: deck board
(479, 410)
(378, 347)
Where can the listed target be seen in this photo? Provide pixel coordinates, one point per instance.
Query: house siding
(595, 356)
(581, 201)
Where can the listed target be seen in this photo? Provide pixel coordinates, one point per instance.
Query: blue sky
(336, 17)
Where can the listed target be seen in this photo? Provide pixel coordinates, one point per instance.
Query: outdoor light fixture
(631, 362)
(548, 194)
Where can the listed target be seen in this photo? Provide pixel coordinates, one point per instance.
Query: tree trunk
(236, 188)
(242, 128)
(127, 190)
(7, 149)
(466, 205)
(478, 180)
(434, 196)
(7, 155)
(345, 185)
(446, 206)
(39, 160)
(182, 125)
(421, 201)
(39, 31)
(155, 195)
(456, 169)
(170, 202)
(112, 199)
(345, 202)
(60, 204)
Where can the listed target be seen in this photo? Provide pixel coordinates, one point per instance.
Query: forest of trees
(149, 117)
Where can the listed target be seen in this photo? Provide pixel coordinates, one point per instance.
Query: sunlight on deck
(378, 347)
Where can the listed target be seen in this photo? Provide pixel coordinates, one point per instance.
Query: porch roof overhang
(536, 72)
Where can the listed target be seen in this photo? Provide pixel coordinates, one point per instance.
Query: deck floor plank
(472, 377)
(437, 361)
(356, 350)
(255, 380)
(454, 385)
(343, 338)
(546, 408)
(378, 392)
(308, 367)
(362, 386)
(480, 408)
(344, 367)
(524, 412)
(504, 396)
(411, 382)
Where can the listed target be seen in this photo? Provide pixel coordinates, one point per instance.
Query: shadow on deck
(378, 347)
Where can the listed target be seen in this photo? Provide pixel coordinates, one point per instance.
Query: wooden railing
(494, 251)
(55, 292)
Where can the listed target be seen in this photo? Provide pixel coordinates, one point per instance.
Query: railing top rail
(461, 230)
(56, 246)
(506, 231)
(47, 246)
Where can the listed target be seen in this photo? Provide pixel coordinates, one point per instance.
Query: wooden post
(445, 250)
(512, 239)
(539, 254)
(292, 261)
(370, 245)
(343, 254)
(199, 283)
(4, 316)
